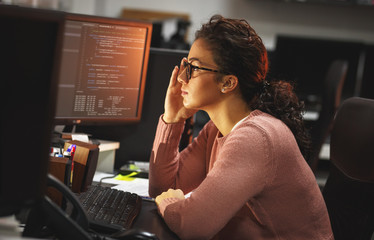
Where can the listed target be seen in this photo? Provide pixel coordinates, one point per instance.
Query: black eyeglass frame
(188, 66)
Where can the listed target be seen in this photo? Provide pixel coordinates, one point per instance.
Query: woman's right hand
(168, 197)
(174, 108)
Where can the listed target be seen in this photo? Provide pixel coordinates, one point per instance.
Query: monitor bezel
(112, 121)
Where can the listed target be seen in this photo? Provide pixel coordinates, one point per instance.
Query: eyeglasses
(189, 68)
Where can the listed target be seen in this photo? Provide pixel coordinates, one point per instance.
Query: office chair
(349, 190)
(333, 86)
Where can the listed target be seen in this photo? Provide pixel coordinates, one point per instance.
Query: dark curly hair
(238, 50)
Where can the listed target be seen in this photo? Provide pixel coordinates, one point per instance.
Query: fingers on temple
(174, 75)
(176, 72)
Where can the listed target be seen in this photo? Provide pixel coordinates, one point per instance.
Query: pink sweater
(251, 184)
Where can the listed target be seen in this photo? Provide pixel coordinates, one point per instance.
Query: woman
(246, 170)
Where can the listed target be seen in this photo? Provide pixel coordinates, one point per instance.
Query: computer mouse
(134, 234)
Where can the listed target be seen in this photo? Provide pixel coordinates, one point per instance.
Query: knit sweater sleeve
(170, 168)
(241, 170)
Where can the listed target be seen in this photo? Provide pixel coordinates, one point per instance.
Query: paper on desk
(136, 185)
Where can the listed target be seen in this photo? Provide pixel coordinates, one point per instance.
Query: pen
(147, 198)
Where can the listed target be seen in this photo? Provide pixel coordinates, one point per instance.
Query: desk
(148, 220)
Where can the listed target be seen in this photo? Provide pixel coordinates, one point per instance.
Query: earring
(223, 90)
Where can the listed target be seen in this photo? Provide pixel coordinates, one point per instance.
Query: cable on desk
(101, 179)
(115, 175)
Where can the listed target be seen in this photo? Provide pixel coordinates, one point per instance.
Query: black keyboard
(110, 210)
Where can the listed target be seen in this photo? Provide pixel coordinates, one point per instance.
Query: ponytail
(278, 99)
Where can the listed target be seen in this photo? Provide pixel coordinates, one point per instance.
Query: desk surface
(149, 220)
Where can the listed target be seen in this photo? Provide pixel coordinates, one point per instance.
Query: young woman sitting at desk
(246, 169)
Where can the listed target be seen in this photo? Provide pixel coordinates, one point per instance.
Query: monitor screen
(28, 53)
(103, 70)
(136, 140)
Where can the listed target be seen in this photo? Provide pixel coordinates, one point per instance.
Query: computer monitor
(306, 60)
(136, 140)
(28, 53)
(103, 70)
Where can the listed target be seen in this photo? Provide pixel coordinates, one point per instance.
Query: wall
(268, 17)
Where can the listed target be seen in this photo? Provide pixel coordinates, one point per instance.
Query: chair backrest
(349, 190)
(352, 139)
(331, 96)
